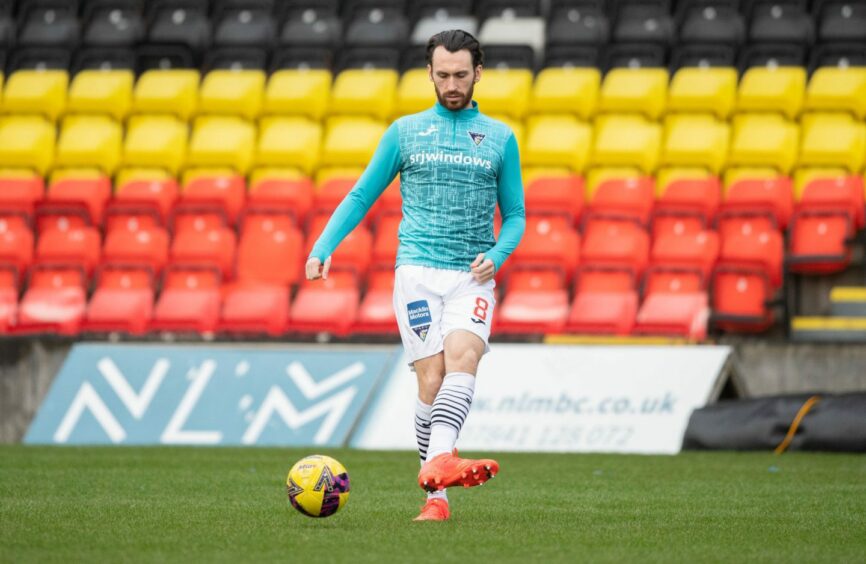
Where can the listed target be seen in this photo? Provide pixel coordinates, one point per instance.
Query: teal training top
(454, 167)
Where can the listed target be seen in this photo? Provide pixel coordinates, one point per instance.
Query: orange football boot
(447, 470)
(435, 509)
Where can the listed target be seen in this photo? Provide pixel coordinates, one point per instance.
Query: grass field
(229, 505)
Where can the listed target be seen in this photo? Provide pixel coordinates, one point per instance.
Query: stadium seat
(562, 141)
(54, 302)
(283, 195)
(173, 92)
(536, 302)
(327, 306)
(220, 196)
(844, 193)
(27, 142)
(703, 90)
(376, 311)
(837, 90)
(354, 252)
(695, 252)
(8, 299)
(364, 92)
(156, 142)
(770, 198)
(638, 91)
(19, 194)
(605, 302)
(222, 141)
(298, 92)
(41, 92)
(513, 29)
(504, 91)
(140, 199)
(819, 241)
(623, 141)
(695, 140)
(255, 309)
(556, 195)
(16, 247)
(232, 93)
(756, 251)
(209, 247)
(414, 92)
(566, 91)
(243, 24)
(780, 21)
(710, 22)
(189, 302)
(350, 141)
(686, 205)
(331, 192)
(386, 241)
(833, 140)
(289, 142)
(740, 300)
(112, 24)
(548, 241)
(268, 253)
(615, 244)
(841, 21)
(145, 247)
(390, 202)
(772, 89)
(675, 314)
(74, 201)
(122, 302)
(764, 140)
(627, 198)
(90, 141)
(77, 247)
(311, 24)
(101, 92)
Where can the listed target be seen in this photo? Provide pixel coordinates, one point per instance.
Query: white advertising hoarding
(564, 399)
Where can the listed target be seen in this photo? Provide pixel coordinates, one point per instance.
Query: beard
(457, 103)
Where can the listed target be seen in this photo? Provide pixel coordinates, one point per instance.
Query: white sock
(422, 435)
(450, 409)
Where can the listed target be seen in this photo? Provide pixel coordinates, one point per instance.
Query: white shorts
(430, 303)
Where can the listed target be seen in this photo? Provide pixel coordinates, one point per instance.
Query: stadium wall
(28, 368)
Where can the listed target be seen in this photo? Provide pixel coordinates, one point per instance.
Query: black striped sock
(450, 409)
(422, 427)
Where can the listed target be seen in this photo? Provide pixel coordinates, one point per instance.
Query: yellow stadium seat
(516, 128)
(125, 175)
(697, 140)
(222, 142)
(101, 92)
(156, 142)
(643, 91)
(173, 91)
(364, 92)
(333, 172)
(265, 173)
(289, 142)
(90, 141)
(350, 141)
(837, 89)
(531, 173)
(764, 140)
(627, 141)
(736, 173)
(75, 173)
(833, 140)
(232, 93)
(557, 140)
(298, 92)
(36, 92)
(596, 176)
(502, 91)
(703, 90)
(415, 92)
(566, 90)
(772, 89)
(803, 176)
(27, 142)
(666, 175)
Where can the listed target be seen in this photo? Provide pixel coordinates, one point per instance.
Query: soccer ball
(318, 486)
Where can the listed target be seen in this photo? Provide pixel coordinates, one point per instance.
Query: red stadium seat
(55, 301)
(212, 196)
(674, 314)
(8, 300)
(762, 252)
(605, 302)
(262, 219)
(122, 302)
(768, 197)
(19, 195)
(16, 245)
(145, 247)
(686, 206)
(189, 302)
(327, 306)
(673, 281)
(353, 252)
(697, 251)
(386, 241)
(844, 193)
(294, 196)
(549, 240)
(376, 312)
(740, 300)
(389, 203)
(556, 195)
(624, 198)
(79, 246)
(819, 241)
(212, 247)
(615, 244)
(536, 302)
(269, 253)
(142, 203)
(74, 202)
(255, 309)
(329, 195)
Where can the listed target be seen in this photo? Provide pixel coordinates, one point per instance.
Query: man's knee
(463, 352)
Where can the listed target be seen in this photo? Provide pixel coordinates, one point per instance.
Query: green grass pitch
(229, 505)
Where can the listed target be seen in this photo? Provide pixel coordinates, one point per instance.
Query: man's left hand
(482, 269)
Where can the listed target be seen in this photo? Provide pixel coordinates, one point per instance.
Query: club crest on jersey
(419, 318)
(477, 138)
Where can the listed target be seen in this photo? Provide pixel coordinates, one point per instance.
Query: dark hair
(456, 40)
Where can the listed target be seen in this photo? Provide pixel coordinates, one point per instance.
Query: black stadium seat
(368, 58)
(245, 23)
(571, 56)
(163, 57)
(703, 55)
(644, 21)
(236, 58)
(778, 55)
(310, 25)
(110, 23)
(507, 8)
(838, 55)
(100, 58)
(577, 23)
(781, 21)
(841, 20)
(633, 55)
(183, 22)
(301, 58)
(711, 21)
(39, 58)
(509, 57)
(49, 24)
(370, 26)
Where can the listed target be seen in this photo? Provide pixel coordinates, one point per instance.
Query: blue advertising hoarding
(209, 395)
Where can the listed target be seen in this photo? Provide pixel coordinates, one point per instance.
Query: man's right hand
(315, 269)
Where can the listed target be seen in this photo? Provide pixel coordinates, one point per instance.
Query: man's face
(453, 77)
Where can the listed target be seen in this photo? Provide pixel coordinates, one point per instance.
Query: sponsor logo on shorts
(419, 318)
(477, 138)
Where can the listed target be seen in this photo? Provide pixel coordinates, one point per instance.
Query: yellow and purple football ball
(318, 486)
